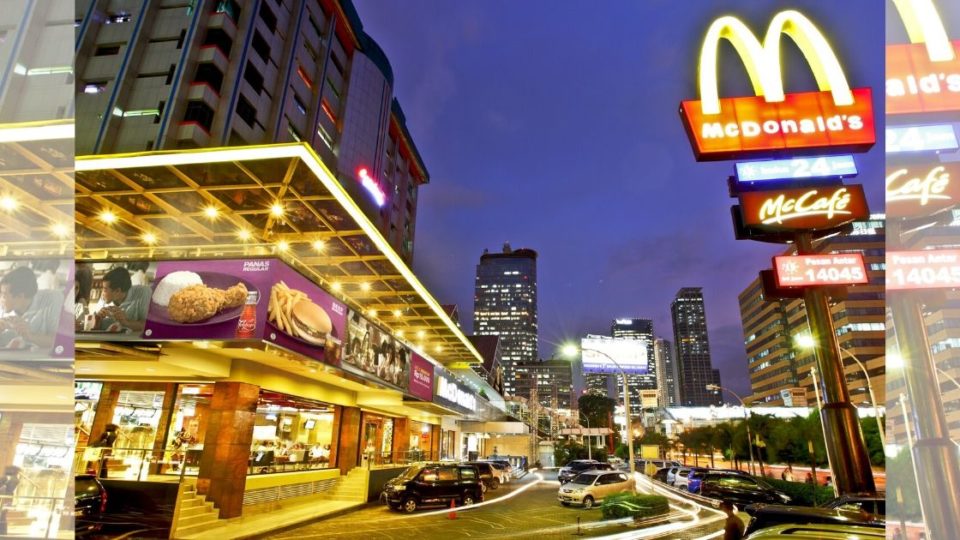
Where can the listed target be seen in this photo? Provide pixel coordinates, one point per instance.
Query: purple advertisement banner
(35, 309)
(371, 351)
(303, 317)
(421, 378)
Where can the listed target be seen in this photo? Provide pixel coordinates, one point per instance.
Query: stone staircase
(352, 487)
(195, 514)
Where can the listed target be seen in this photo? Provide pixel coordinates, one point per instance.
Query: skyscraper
(168, 75)
(640, 329)
(667, 377)
(693, 349)
(505, 305)
(553, 380)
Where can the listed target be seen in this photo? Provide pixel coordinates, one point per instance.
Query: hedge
(624, 505)
(801, 492)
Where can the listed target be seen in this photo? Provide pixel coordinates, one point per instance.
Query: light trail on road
(539, 479)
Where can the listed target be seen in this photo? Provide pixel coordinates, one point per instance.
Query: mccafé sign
(798, 210)
(924, 75)
(836, 117)
(920, 190)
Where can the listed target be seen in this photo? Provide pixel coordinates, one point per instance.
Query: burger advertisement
(370, 350)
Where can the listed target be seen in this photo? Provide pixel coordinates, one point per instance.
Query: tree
(597, 409)
(871, 435)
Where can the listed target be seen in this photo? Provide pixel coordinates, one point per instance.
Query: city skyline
(583, 180)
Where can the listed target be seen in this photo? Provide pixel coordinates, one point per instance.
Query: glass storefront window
(86, 397)
(38, 479)
(376, 444)
(421, 441)
(188, 425)
(137, 417)
(291, 434)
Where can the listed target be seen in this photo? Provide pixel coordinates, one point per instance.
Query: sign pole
(844, 438)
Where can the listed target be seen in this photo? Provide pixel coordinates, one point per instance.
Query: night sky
(553, 125)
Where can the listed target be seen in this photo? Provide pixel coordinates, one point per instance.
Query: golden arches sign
(924, 25)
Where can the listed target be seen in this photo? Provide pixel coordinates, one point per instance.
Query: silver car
(591, 487)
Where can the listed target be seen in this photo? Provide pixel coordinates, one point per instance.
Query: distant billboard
(630, 354)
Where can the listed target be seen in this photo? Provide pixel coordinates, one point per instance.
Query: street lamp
(746, 417)
(589, 438)
(806, 341)
(571, 351)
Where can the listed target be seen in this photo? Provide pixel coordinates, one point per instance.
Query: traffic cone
(453, 510)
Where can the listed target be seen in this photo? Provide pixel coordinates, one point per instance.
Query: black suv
(426, 484)
(489, 477)
(740, 489)
(89, 505)
(569, 471)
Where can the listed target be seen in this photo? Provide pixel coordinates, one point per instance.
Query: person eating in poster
(123, 305)
(29, 317)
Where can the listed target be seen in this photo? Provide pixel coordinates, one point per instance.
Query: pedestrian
(787, 474)
(897, 534)
(809, 478)
(733, 528)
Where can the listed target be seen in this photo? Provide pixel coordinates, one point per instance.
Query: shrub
(624, 505)
(801, 492)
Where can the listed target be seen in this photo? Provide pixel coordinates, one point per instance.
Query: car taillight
(103, 500)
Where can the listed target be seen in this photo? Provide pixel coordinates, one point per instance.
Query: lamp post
(589, 439)
(570, 351)
(746, 418)
(806, 341)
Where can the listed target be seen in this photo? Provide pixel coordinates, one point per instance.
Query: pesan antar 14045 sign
(836, 117)
(801, 210)
(810, 270)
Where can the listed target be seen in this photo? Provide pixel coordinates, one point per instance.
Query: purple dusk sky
(553, 125)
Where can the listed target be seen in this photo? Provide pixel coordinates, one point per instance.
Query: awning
(272, 200)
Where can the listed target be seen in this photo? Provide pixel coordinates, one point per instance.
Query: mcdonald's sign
(836, 117)
(924, 75)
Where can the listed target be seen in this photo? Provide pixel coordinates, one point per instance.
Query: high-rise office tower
(640, 329)
(553, 380)
(505, 305)
(667, 395)
(160, 75)
(779, 368)
(693, 349)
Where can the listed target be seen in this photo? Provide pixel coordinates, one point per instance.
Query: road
(525, 508)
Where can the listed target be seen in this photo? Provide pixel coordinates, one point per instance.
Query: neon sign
(933, 269)
(372, 186)
(795, 169)
(835, 117)
(923, 75)
(923, 189)
(921, 139)
(804, 209)
(810, 270)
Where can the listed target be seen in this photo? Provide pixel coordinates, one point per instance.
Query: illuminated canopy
(278, 200)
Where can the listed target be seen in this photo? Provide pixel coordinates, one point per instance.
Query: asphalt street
(525, 508)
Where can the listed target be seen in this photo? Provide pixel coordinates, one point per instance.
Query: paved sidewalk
(260, 524)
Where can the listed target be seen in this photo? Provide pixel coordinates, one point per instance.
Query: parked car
(672, 474)
(504, 462)
(90, 504)
(425, 484)
(818, 532)
(577, 466)
(763, 516)
(591, 487)
(489, 476)
(870, 503)
(681, 481)
(694, 478)
(740, 489)
(501, 471)
(661, 474)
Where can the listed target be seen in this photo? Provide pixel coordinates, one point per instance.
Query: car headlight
(400, 487)
(785, 498)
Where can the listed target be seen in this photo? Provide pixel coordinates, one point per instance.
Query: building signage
(836, 117)
(449, 392)
(601, 354)
(373, 353)
(914, 190)
(923, 76)
(421, 378)
(810, 270)
(933, 269)
(821, 167)
(932, 138)
(810, 209)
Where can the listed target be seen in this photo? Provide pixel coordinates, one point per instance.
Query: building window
(293, 131)
(328, 111)
(117, 18)
(230, 7)
(199, 112)
(306, 78)
(299, 104)
(268, 17)
(252, 76)
(94, 87)
(261, 46)
(210, 75)
(246, 111)
(107, 50)
(220, 39)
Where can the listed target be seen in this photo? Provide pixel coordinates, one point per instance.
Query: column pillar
(401, 440)
(348, 439)
(226, 446)
(10, 428)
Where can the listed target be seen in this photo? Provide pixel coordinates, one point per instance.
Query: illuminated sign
(922, 189)
(796, 169)
(836, 117)
(808, 270)
(629, 353)
(804, 209)
(924, 75)
(450, 391)
(921, 139)
(371, 185)
(923, 269)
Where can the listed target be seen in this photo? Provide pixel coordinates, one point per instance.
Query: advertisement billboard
(924, 189)
(372, 351)
(820, 167)
(929, 269)
(36, 312)
(795, 210)
(421, 378)
(630, 354)
(810, 270)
